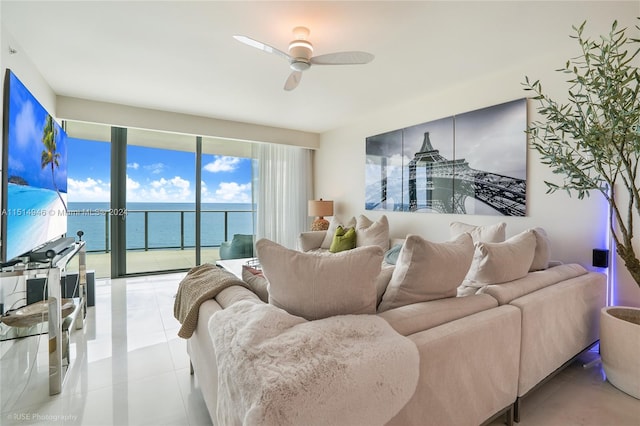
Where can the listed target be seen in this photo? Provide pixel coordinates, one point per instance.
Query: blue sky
(27, 120)
(156, 175)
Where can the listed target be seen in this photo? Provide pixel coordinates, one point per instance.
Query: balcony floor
(139, 261)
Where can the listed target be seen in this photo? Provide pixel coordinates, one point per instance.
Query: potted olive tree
(593, 142)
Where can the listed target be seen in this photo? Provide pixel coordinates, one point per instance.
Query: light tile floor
(130, 368)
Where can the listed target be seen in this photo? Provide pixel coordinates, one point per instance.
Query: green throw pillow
(343, 239)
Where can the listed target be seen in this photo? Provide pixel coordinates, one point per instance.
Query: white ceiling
(180, 56)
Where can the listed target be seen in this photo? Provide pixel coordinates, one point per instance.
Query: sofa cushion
(506, 292)
(343, 239)
(256, 280)
(311, 240)
(495, 263)
(484, 233)
(373, 233)
(426, 271)
(416, 317)
(335, 222)
(235, 294)
(542, 254)
(315, 287)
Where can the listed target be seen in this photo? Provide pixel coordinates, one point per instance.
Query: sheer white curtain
(282, 187)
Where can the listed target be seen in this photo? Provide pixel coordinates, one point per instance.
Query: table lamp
(320, 208)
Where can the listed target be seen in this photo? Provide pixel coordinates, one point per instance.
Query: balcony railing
(161, 229)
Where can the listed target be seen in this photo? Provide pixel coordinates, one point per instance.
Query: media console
(51, 250)
(57, 257)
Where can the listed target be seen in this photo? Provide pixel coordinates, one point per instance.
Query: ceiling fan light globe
(301, 43)
(300, 49)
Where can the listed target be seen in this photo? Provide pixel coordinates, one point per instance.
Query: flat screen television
(34, 173)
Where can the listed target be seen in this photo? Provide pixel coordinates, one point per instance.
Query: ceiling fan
(299, 56)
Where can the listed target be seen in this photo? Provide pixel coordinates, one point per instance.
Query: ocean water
(167, 225)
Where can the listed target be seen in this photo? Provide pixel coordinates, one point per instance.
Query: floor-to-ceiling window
(183, 196)
(225, 192)
(88, 191)
(160, 201)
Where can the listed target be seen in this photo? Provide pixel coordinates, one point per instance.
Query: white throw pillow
(382, 281)
(495, 263)
(370, 233)
(484, 233)
(542, 254)
(427, 271)
(333, 225)
(315, 287)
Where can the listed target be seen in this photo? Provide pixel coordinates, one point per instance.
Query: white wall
(626, 289)
(20, 64)
(575, 226)
(84, 110)
(24, 69)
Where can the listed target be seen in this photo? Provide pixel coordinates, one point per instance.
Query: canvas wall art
(472, 163)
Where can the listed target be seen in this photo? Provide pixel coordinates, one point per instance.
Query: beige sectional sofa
(477, 354)
(467, 371)
(560, 310)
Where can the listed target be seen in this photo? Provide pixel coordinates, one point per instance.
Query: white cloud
(26, 127)
(155, 168)
(176, 182)
(233, 192)
(205, 195)
(161, 190)
(132, 184)
(175, 190)
(88, 190)
(227, 192)
(134, 166)
(222, 164)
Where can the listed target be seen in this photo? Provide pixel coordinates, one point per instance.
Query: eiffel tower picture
(482, 171)
(449, 183)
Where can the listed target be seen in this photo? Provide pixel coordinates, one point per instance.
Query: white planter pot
(620, 347)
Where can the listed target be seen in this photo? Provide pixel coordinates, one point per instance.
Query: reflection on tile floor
(579, 395)
(130, 368)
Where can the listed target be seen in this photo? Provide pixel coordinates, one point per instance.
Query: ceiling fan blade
(343, 58)
(293, 80)
(259, 45)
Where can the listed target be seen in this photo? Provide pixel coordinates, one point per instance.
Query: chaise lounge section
(560, 310)
(466, 370)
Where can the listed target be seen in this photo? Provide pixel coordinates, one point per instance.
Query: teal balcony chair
(239, 247)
